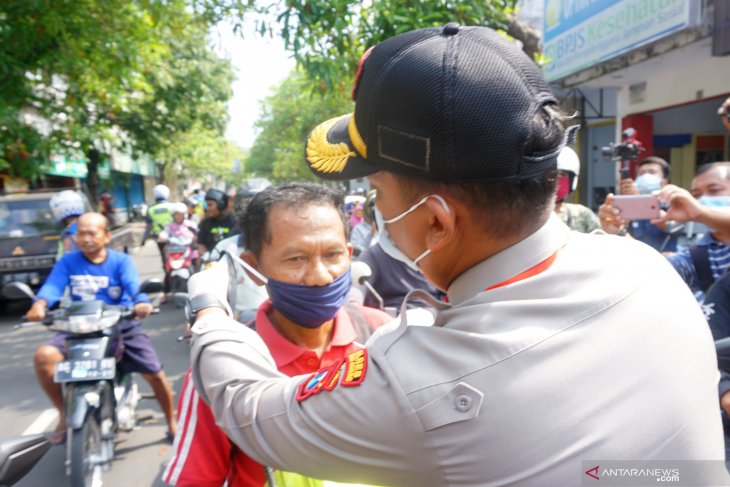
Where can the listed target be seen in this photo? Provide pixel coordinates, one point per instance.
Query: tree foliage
(83, 76)
(327, 37)
(295, 106)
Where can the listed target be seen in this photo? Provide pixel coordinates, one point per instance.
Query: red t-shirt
(203, 456)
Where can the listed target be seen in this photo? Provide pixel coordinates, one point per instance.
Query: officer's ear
(442, 224)
(251, 260)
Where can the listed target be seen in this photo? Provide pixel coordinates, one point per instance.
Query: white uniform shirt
(605, 355)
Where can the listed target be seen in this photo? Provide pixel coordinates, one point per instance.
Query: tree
(183, 116)
(327, 37)
(296, 106)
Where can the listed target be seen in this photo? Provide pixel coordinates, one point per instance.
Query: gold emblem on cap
(356, 138)
(323, 155)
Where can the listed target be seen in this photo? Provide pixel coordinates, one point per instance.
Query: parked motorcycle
(99, 399)
(18, 455)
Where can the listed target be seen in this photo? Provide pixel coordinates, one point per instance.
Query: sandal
(58, 437)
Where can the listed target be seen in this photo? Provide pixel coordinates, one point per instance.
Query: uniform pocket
(461, 403)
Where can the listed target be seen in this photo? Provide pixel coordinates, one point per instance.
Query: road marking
(43, 422)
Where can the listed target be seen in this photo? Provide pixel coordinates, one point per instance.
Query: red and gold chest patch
(348, 372)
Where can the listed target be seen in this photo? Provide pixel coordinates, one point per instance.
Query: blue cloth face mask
(648, 183)
(308, 306)
(389, 247)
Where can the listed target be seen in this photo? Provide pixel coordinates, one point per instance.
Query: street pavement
(24, 409)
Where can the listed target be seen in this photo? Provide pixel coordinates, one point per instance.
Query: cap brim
(330, 154)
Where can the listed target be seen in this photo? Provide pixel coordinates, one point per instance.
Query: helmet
(161, 192)
(220, 198)
(252, 187)
(180, 208)
(190, 202)
(66, 204)
(568, 161)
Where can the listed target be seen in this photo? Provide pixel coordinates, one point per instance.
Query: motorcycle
(18, 455)
(178, 262)
(99, 399)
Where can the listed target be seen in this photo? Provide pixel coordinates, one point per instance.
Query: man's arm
(367, 433)
(55, 284)
(201, 452)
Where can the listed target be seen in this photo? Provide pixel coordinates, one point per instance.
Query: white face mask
(648, 183)
(389, 247)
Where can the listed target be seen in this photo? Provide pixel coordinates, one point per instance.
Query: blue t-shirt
(114, 281)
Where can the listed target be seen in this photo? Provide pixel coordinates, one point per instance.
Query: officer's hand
(683, 207)
(610, 217)
(213, 280)
(143, 310)
(628, 186)
(37, 312)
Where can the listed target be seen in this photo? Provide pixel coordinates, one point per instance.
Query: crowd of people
(302, 373)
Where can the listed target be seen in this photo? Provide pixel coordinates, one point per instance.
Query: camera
(628, 150)
(625, 151)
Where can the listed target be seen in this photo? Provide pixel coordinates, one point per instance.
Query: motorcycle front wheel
(86, 453)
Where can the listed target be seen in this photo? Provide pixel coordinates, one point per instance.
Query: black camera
(625, 151)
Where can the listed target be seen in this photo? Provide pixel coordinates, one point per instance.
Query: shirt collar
(286, 352)
(510, 261)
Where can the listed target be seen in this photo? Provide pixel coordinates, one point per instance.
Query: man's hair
(712, 165)
(254, 216)
(508, 207)
(660, 162)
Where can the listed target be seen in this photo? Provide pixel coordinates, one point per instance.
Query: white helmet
(568, 161)
(161, 192)
(66, 204)
(180, 208)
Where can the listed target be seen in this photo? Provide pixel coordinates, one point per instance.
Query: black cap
(447, 104)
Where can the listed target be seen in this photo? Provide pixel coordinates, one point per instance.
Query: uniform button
(463, 403)
(312, 361)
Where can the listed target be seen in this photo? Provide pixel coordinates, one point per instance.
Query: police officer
(218, 223)
(551, 355)
(159, 215)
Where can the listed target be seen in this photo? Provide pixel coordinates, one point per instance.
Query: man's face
(711, 183)
(211, 208)
(91, 236)
(308, 245)
(652, 168)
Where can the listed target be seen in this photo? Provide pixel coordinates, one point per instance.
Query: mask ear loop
(246, 266)
(414, 207)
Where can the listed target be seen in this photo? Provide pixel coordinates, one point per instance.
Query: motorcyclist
(218, 224)
(182, 228)
(96, 272)
(66, 207)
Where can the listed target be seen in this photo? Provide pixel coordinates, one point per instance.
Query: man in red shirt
(295, 238)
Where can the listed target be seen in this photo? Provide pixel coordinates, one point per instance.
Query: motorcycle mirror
(151, 286)
(360, 271)
(19, 454)
(17, 290)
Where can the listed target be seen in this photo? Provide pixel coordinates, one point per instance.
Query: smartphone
(637, 206)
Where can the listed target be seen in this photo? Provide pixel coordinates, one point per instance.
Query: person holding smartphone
(652, 174)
